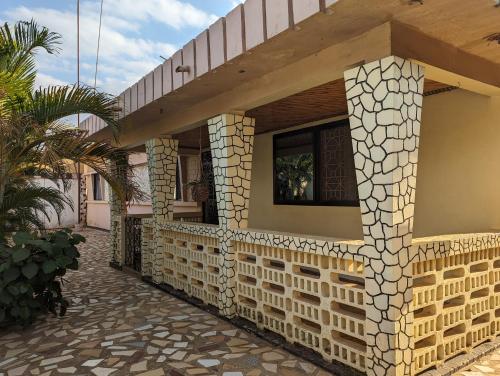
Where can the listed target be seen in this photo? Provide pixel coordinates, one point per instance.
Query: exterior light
(183, 69)
(495, 37)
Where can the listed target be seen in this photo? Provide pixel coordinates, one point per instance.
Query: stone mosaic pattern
(448, 245)
(118, 325)
(117, 241)
(115, 254)
(294, 242)
(201, 229)
(384, 101)
(162, 162)
(422, 249)
(118, 209)
(231, 143)
(83, 199)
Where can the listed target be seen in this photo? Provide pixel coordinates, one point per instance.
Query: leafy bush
(31, 271)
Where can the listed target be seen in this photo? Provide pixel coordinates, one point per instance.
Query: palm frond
(35, 141)
(26, 203)
(53, 103)
(18, 44)
(27, 36)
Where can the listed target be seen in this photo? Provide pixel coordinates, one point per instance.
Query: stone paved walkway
(489, 365)
(118, 325)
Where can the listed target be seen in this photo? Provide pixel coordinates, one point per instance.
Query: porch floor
(118, 325)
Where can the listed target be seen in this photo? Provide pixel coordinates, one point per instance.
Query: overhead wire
(98, 45)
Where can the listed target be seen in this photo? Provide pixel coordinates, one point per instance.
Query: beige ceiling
(448, 34)
(321, 102)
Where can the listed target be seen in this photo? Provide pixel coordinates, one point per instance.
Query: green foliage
(294, 173)
(31, 271)
(37, 141)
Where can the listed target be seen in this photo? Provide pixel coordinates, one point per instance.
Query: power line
(79, 174)
(98, 45)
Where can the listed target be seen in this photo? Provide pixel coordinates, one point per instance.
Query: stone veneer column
(117, 207)
(385, 102)
(231, 141)
(162, 162)
(83, 199)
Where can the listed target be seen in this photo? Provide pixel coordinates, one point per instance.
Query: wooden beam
(314, 70)
(445, 63)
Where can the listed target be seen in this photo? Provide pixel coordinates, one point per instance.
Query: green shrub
(31, 271)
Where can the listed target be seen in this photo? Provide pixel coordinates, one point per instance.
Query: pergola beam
(444, 62)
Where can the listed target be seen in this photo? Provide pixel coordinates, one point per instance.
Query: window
(294, 167)
(315, 166)
(98, 187)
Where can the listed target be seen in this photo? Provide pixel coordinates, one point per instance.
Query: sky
(134, 34)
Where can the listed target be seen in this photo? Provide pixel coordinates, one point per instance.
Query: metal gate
(210, 214)
(133, 227)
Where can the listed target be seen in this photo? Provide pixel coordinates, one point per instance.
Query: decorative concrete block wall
(162, 162)
(385, 101)
(147, 247)
(231, 142)
(191, 262)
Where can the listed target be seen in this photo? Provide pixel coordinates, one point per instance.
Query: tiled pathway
(117, 325)
(489, 365)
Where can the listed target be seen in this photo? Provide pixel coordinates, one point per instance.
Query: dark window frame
(97, 187)
(178, 184)
(316, 201)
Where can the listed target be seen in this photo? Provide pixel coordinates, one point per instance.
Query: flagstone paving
(489, 365)
(118, 325)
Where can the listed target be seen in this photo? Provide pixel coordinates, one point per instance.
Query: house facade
(95, 192)
(317, 116)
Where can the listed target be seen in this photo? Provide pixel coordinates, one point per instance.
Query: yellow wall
(344, 222)
(457, 185)
(458, 179)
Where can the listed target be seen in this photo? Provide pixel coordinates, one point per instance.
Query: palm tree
(35, 137)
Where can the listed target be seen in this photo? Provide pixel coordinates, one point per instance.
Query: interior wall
(457, 181)
(333, 221)
(458, 176)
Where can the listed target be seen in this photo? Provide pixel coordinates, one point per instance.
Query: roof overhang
(446, 36)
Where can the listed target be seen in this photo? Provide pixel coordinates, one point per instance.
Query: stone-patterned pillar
(385, 102)
(162, 162)
(231, 142)
(83, 200)
(118, 210)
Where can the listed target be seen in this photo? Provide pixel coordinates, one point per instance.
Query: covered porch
(354, 260)
(327, 274)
